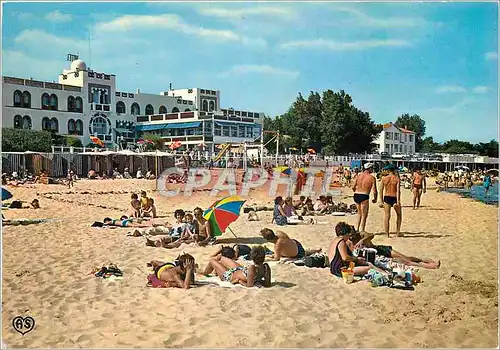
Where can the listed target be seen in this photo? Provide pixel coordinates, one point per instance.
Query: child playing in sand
(136, 205)
(230, 271)
(178, 275)
(149, 210)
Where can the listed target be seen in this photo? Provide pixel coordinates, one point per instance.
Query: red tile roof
(406, 131)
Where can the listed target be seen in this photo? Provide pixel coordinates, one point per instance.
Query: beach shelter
(6, 194)
(222, 213)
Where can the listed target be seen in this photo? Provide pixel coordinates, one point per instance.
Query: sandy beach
(46, 276)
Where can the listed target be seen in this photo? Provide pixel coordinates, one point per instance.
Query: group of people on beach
(389, 196)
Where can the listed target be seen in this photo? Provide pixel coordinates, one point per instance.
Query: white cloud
(174, 23)
(242, 13)
(481, 89)
(20, 64)
(57, 16)
(333, 45)
(452, 110)
(259, 69)
(450, 89)
(490, 56)
(363, 19)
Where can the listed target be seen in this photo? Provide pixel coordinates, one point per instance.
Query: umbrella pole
(232, 232)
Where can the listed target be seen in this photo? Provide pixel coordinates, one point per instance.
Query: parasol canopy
(222, 213)
(96, 141)
(175, 145)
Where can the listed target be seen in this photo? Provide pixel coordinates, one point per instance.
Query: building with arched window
(86, 103)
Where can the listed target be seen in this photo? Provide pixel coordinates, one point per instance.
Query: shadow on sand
(283, 284)
(241, 240)
(413, 235)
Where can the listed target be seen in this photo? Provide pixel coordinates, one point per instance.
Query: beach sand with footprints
(46, 276)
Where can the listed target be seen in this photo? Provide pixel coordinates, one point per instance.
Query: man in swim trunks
(362, 188)
(347, 177)
(390, 193)
(418, 185)
(359, 240)
(285, 246)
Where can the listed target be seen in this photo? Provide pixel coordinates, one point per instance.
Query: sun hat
(368, 166)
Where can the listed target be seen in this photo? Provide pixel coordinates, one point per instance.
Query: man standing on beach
(418, 185)
(362, 188)
(391, 185)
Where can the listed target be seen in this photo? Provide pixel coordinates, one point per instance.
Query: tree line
(331, 124)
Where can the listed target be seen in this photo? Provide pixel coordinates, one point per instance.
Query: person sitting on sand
(279, 215)
(299, 205)
(204, 229)
(308, 209)
(150, 209)
(136, 205)
(188, 235)
(320, 206)
(229, 270)
(173, 232)
(233, 252)
(359, 241)
(172, 275)
(340, 255)
(92, 174)
(284, 246)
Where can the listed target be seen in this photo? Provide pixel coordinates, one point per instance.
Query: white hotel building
(394, 139)
(86, 103)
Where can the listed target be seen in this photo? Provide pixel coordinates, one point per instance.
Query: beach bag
(316, 260)
(16, 205)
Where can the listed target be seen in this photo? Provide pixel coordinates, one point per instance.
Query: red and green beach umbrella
(222, 213)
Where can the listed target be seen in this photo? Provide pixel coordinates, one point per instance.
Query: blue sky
(438, 60)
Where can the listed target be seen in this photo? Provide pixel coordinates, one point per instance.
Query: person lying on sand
(188, 235)
(230, 271)
(233, 252)
(180, 275)
(359, 241)
(125, 223)
(285, 246)
(340, 255)
(173, 232)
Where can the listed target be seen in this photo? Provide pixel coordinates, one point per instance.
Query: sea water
(478, 192)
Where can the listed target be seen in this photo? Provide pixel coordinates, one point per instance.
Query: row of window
(230, 112)
(50, 102)
(390, 148)
(398, 136)
(136, 110)
(75, 127)
(208, 106)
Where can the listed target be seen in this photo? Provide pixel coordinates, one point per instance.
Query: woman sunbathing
(233, 252)
(229, 270)
(125, 222)
(180, 275)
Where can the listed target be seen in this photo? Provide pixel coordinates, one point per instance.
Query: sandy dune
(46, 275)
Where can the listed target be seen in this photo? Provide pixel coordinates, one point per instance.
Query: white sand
(46, 266)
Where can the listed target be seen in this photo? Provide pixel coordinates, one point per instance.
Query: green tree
(456, 146)
(346, 129)
(489, 149)
(429, 146)
(415, 124)
(20, 140)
